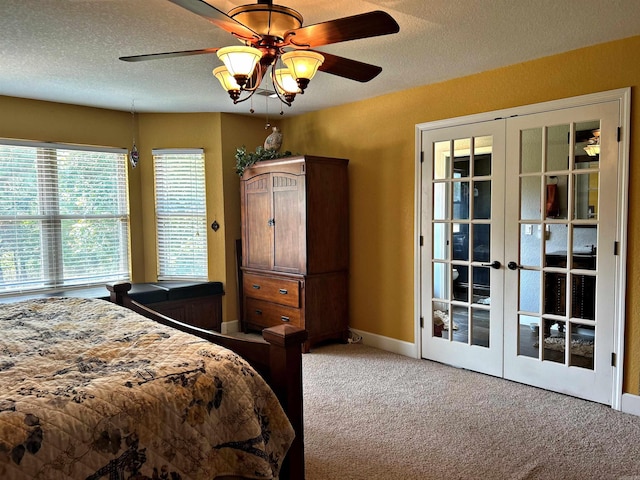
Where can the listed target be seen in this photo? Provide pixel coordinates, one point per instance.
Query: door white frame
(623, 96)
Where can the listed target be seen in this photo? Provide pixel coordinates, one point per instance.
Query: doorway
(520, 265)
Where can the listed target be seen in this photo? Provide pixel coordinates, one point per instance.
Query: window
(181, 219)
(64, 216)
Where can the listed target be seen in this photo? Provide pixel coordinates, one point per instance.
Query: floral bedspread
(89, 389)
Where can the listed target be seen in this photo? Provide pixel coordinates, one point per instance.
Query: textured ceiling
(67, 50)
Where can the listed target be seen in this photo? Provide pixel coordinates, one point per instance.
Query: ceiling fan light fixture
(303, 65)
(286, 84)
(227, 81)
(240, 61)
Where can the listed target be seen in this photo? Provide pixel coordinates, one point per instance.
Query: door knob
(513, 266)
(495, 264)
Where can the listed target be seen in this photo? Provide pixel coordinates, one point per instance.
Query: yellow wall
(378, 136)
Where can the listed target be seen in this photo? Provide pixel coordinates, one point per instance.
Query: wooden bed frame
(278, 360)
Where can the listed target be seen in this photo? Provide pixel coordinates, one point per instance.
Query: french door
(518, 265)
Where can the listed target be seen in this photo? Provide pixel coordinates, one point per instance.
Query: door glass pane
(558, 147)
(441, 160)
(440, 321)
(529, 300)
(585, 196)
(461, 241)
(583, 297)
(482, 200)
(461, 200)
(483, 147)
(531, 150)
(460, 324)
(555, 245)
(530, 244)
(441, 280)
(481, 285)
(440, 241)
(462, 149)
(554, 341)
(556, 196)
(440, 201)
(480, 322)
(529, 338)
(582, 346)
(585, 247)
(461, 283)
(530, 198)
(587, 153)
(481, 242)
(555, 293)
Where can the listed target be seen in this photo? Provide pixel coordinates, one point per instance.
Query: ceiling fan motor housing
(267, 19)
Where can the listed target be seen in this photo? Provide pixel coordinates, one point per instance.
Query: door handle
(513, 266)
(495, 264)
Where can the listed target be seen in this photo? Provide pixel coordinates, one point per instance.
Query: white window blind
(181, 219)
(64, 216)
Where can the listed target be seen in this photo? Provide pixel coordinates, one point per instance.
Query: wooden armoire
(295, 246)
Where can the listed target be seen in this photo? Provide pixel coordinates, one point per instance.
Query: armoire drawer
(277, 290)
(267, 314)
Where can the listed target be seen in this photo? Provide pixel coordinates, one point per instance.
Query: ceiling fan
(274, 34)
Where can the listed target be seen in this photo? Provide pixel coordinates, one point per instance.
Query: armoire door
(256, 218)
(561, 226)
(463, 230)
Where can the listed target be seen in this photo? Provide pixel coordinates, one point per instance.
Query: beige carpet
(371, 414)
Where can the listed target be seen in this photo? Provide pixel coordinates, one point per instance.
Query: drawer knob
(283, 291)
(258, 312)
(257, 287)
(284, 319)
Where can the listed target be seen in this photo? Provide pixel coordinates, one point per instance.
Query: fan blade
(365, 25)
(218, 18)
(155, 56)
(351, 69)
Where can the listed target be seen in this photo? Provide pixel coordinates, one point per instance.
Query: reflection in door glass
(461, 200)
(529, 336)
(529, 289)
(482, 156)
(440, 321)
(530, 198)
(481, 285)
(585, 196)
(441, 280)
(531, 151)
(482, 200)
(480, 322)
(440, 241)
(440, 201)
(555, 293)
(461, 283)
(530, 239)
(585, 247)
(556, 196)
(558, 147)
(583, 297)
(461, 241)
(555, 245)
(553, 347)
(481, 242)
(461, 163)
(441, 160)
(460, 324)
(582, 346)
(587, 153)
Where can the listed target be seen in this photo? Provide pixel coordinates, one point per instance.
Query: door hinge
(421, 241)
(616, 248)
(619, 133)
(613, 359)
(421, 322)
(421, 157)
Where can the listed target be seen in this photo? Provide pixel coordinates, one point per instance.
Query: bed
(93, 389)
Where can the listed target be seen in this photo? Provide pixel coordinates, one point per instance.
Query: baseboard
(230, 327)
(389, 344)
(630, 404)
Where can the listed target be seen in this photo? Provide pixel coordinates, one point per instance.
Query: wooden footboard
(279, 361)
